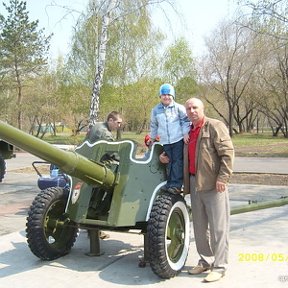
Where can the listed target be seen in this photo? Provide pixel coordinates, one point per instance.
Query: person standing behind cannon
(170, 122)
(208, 166)
(103, 130)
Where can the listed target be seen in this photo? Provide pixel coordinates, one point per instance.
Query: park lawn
(260, 145)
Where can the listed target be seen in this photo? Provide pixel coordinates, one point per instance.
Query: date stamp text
(262, 257)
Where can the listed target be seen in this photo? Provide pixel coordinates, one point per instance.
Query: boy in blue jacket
(170, 122)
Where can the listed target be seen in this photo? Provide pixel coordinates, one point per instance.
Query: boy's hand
(186, 138)
(163, 158)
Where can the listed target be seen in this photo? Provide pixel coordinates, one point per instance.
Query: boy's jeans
(175, 166)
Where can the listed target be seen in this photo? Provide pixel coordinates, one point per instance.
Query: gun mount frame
(6, 152)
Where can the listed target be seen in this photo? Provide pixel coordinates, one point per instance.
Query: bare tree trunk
(19, 100)
(95, 98)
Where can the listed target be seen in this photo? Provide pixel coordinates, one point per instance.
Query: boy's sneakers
(164, 188)
(174, 190)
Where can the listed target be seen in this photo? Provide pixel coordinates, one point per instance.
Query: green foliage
(178, 62)
(22, 50)
(186, 88)
(21, 43)
(140, 98)
(82, 60)
(132, 59)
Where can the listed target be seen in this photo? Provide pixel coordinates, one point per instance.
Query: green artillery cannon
(6, 152)
(110, 189)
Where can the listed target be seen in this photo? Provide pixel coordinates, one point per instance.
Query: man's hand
(220, 186)
(163, 158)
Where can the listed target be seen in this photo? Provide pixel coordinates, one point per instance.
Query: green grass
(64, 139)
(260, 145)
(255, 139)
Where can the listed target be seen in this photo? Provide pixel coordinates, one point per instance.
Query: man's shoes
(174, 190)
(103, 235)
(214, 276)
(198, 270)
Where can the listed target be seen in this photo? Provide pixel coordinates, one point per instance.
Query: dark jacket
(99, 131)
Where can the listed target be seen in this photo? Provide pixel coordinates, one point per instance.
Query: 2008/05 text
(261, 257)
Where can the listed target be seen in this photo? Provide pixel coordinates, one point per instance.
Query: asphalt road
(261, 165)
(17, 192)
(242, 164)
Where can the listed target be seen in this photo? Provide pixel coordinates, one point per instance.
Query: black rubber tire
(2, 168)
(49, 231)
(168, 235)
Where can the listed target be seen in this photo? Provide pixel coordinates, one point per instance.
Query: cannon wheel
(50, 233)
(168, 235)
(2, 168)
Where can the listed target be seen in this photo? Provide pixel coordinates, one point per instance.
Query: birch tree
(105, 12)
(102, 19)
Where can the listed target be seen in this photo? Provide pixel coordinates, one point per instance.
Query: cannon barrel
(69, 162)
(259, 206)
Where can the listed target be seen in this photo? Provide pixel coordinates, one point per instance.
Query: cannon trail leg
(94, 242)
(143, 259)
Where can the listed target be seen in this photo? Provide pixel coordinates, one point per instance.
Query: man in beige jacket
(209, 161)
